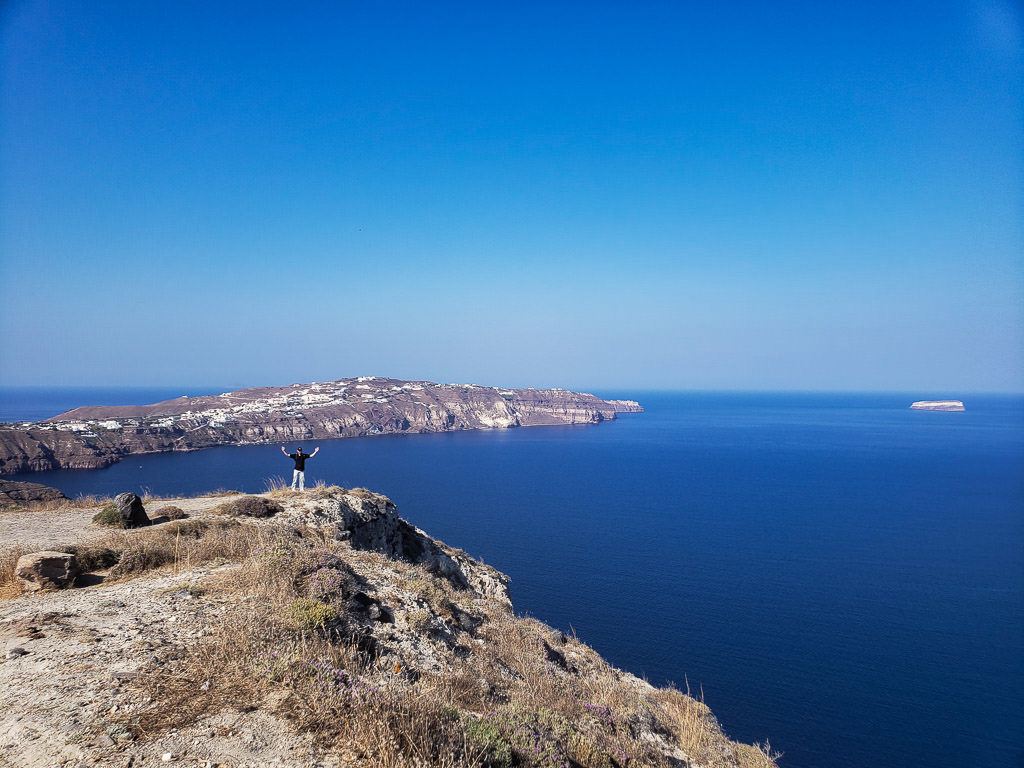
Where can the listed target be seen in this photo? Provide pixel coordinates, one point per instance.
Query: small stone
(15, 652)
(167, 757)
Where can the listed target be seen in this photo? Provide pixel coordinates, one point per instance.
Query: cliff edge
(326, 631)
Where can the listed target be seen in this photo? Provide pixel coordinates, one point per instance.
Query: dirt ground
(47, 529)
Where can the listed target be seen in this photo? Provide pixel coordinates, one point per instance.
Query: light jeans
(298, 476)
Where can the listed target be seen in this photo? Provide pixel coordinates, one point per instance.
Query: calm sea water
(839, 574)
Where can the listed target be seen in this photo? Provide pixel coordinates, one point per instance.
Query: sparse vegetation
(525, 697)
(171, 512)
(183, 544)
(323, 491)
(81, 502)
(306, 613)
(472, 686)
(249, 506)
(109, 517)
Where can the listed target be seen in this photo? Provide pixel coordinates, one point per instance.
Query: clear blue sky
(797, 195)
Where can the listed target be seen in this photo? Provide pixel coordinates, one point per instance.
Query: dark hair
(299, 449)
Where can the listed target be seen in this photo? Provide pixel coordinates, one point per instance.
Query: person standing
(299, 473)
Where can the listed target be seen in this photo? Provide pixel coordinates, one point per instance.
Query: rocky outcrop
(938, 405)
(46, 570)
(369, 521)
(15, 493)
(204, 664)
(98, 436)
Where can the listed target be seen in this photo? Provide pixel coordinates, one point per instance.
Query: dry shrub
(277, 487)
(699, 735)
(249, 506)
(171, 512)
(93, 555)
(259, 652)
(183, 543)
(8, 561)
(365, 493)
(525, 697)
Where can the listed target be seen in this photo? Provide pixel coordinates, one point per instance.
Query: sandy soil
(46, 530)
(66, 657)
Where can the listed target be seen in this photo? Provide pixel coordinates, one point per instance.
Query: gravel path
(45, 530)
(66, 656)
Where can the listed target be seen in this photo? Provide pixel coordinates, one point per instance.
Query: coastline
(93, 437)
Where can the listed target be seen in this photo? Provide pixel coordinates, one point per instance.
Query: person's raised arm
(315, 451)
(284, 451)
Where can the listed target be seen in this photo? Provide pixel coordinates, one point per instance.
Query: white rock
(938, 405)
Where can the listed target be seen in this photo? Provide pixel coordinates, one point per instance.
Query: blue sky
(807, 196)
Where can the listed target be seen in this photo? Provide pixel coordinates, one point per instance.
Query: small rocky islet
(938, 405)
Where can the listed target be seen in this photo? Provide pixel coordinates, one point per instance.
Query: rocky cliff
(331, 633)
(98, 436)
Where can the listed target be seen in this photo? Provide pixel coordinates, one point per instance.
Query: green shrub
(249, 506)
(495, 749)
(109, 517)
(309, 614)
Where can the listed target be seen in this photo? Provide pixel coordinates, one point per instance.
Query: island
(938, 405)
(98, 436)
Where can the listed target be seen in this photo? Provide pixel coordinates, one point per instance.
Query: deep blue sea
(837, 573)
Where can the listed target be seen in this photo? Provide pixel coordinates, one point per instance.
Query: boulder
(12, 492)
(129, 506)
(46, 570)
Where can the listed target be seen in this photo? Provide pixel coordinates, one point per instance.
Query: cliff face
(97, 436)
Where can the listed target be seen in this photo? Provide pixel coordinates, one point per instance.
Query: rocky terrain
(17, 494)
(329, 632)
(98, 436)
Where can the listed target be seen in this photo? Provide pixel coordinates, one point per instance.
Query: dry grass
(525, 696)
(182, 544)
(276, 484)
(249, 506)
(315, 673)
(8, 560)
(81, 502)
(511, 692)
